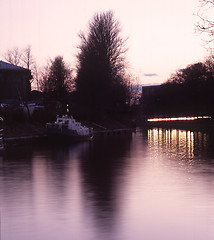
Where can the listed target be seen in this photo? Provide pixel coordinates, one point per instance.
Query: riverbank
(23, 133)
(27, 129)
(29, 132)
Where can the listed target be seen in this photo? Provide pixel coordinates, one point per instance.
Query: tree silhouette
(13, 56)
(101, 65)
(193, 74)
(27, 58)
(56, 79)
(20, 57)
(187, 92)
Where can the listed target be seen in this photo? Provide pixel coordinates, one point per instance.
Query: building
(149, 100)
(14, 82)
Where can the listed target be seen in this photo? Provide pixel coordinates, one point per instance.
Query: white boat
(67, 128)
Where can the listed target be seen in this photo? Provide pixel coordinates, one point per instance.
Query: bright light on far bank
(177, 119)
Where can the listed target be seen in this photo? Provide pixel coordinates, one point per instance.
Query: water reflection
(101, 173)
(149, 185)
(189, 150)
(183, 144)
(61, 186)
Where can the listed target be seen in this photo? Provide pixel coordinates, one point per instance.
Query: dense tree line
(189, 91)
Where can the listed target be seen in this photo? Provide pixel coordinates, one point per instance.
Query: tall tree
(57, 77)
(101, 65)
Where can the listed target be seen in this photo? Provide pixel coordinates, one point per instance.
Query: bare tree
(134, 90)
(23, 58)
(20, 57)
(43, 79)
(13, 56)
(36, 84)
(27, 57)
(205, 23)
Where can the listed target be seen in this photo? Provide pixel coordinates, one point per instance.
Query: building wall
(15, 84)
(149, 100)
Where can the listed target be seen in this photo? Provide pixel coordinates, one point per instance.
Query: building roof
(8, 66)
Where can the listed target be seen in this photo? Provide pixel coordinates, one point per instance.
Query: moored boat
(67, 128)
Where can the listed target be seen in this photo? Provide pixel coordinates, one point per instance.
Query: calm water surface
(155, 184)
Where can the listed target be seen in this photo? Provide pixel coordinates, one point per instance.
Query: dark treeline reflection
(117, 187)
(101, 172)
(21, 171)
(100, 165)
(94, 168)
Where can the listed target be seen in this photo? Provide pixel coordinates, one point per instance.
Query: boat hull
(61, 135)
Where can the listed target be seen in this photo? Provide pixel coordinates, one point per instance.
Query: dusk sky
(161, 34)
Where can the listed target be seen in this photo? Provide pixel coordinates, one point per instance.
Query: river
(154, 184)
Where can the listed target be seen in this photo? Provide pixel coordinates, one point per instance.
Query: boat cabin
(70, 123)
